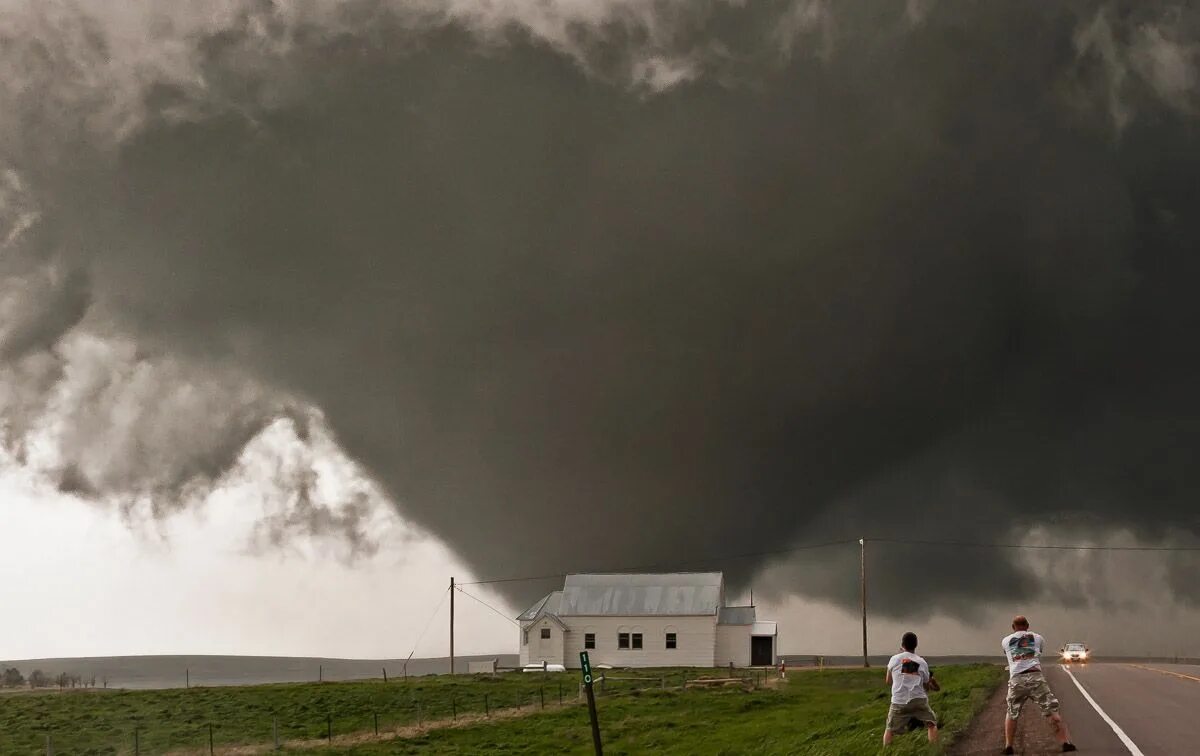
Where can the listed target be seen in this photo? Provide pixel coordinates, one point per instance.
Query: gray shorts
(918, 709)
(1030, 686)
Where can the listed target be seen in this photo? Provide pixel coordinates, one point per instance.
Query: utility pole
(862, 574)
(452, 625)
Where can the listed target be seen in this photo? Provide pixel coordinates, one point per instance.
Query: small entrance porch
(763, 638)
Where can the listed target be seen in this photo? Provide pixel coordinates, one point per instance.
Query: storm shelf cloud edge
(589, 285)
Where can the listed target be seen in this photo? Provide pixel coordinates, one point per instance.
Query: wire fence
(174, 729)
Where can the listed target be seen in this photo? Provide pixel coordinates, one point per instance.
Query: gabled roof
(736, 615)
(548, 604)
(632, 595)
(553, 618)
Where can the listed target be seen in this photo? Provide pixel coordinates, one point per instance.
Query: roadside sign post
(586, 667)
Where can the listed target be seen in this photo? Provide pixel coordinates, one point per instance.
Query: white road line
(1133, 749)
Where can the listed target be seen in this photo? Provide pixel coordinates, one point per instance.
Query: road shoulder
(985, 734)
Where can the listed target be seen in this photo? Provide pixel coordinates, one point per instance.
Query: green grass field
(830, 712)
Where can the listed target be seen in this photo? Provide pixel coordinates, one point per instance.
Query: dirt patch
(985, 735)
(395, 733)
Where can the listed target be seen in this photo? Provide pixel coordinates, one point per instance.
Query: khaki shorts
(1030, 686)
(918, 709)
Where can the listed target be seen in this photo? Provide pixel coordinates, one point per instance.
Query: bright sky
(89, 584)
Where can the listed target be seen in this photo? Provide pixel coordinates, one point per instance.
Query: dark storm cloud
(893, 272)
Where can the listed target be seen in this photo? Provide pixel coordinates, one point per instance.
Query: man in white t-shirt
(910, 678)
(1026, 682)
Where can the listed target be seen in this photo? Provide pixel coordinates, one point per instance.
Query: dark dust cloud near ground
(680, 281)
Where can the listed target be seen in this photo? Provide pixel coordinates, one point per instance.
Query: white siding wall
(695, 641)
(538, 650)
(733, 645)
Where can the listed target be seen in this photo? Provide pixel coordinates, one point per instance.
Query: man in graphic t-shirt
(909, 676)
(1026, 682)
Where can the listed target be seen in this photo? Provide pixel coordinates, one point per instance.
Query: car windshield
(1074, 646)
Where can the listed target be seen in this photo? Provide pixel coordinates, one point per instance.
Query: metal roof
(549, 603)
(629, 595)
(736, 615)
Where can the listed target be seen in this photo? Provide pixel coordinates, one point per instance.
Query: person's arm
(927, 681)
(932, 683)
(887, 678)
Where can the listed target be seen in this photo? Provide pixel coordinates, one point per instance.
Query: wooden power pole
(862, 576)
(452, 625)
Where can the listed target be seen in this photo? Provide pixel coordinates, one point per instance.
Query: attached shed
(733, 635)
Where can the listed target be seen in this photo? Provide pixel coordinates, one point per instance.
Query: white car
(543, 668)
(1075, 652)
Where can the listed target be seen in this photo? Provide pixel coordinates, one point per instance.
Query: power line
(489, 606)
(516, 579)
(676, 565)
(806, 547)
(1053, 546)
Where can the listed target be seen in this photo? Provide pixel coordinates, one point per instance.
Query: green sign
(586, 666)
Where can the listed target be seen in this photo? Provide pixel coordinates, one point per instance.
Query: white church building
(677, 619)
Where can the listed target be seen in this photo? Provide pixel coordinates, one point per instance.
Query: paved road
(1157, 706)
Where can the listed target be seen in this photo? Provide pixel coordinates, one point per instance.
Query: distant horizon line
(401, 660)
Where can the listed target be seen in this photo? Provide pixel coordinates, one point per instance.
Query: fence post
(49, 745)
(329, 728)
(210, 741)
(376, 724)
(486, 709)
(560, 694)
(542, 695)
(454, 708)
(385, 674)
(275, 731)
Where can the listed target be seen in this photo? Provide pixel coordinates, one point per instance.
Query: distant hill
(173, 671)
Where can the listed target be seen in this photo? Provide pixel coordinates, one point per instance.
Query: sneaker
(1069, 747)
(1008, 749)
